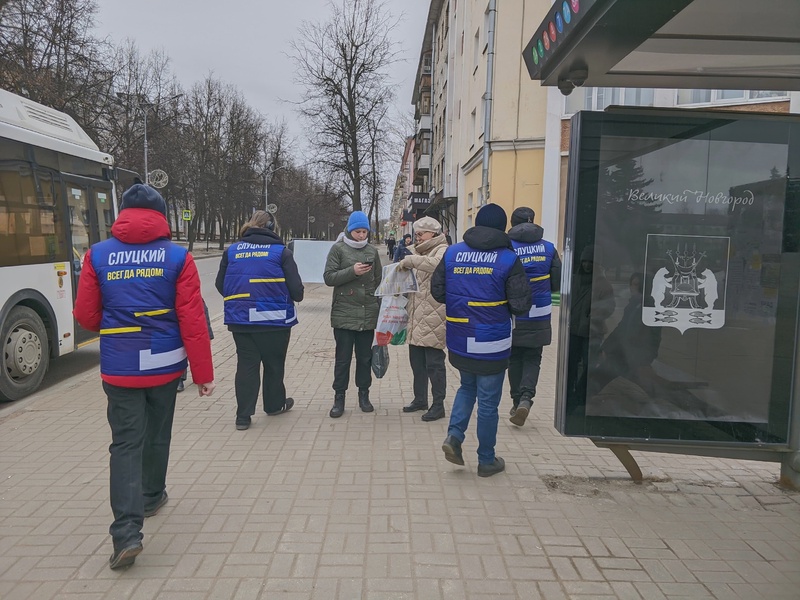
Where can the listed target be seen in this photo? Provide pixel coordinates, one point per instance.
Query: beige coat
(426, 317)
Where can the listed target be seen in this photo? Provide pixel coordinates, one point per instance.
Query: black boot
(452, 450)
(338, 405)
(435, 413)
(415, 406)
(363, 401)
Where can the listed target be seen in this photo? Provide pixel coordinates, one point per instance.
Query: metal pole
(487, 113)
(266, 199)
(146, 172)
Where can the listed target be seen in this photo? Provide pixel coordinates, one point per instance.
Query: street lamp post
(145, 107)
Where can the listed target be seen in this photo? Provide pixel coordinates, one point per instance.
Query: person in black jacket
(402, 248)
(532, 331)
(482, 284)
(259, 280)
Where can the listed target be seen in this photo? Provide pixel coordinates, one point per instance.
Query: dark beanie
(492, 215)
(143, 196)
(523, 214)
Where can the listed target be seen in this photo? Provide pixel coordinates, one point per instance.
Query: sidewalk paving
(303, 506)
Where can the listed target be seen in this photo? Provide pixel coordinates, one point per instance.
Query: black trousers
(141, 432)
(346, 340)
(523, 371)
(267, 348)
(427, 364)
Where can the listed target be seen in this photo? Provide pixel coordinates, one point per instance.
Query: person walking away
(260, 283)
(390, 244)
(426, 321)
(532, 331)
(353, 271)
(142, 293)
(482, 284)
(402, 248)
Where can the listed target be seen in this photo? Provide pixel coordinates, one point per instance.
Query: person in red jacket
(141, 292)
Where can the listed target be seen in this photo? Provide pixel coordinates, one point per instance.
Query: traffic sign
(272, 208)
(187, 215)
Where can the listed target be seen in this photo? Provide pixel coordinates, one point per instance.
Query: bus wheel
(25, 353)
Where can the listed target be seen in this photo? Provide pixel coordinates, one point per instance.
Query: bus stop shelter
(684, 44)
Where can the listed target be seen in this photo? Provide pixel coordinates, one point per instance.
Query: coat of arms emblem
(686, 277)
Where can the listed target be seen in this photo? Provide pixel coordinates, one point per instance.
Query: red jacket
(140, 226)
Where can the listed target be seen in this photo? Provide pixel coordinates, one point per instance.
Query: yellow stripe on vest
(279, 280)
(498, 303)
(120, 330)
(226, 298)
(152, 313)
(457, 320)
(540, 278)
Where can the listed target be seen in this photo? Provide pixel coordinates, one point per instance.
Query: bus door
(90, 214)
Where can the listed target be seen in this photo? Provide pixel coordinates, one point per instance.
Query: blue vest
(536, 259)
(139, 333)
(478, 317)
(255, 291)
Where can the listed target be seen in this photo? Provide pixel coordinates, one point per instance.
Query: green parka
(354, 305)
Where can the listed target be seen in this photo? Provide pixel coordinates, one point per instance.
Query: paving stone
(303, 506)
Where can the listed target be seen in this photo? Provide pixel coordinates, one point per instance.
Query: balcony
(424, 123)
(421, 169)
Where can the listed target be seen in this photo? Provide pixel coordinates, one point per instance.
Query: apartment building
(478, 115)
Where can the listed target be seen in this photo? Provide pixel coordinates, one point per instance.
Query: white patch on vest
(540, 311)
(476, 347)
(257, 316)
(149, 361)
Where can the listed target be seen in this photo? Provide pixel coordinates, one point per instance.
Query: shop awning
(703, 44)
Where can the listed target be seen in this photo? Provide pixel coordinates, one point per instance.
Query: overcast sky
(244, 43)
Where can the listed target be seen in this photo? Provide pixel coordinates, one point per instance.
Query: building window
(470, 200)
(476, 48)
(726, 96)
(602, 98)
(472, 123)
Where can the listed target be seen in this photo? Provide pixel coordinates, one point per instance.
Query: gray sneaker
(519, 416)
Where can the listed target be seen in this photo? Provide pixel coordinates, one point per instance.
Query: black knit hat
(492, 215)
(143, 196)
(523, 214)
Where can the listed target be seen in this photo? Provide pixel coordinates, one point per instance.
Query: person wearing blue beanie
(353, 270)
(357, 220)
(140, 195)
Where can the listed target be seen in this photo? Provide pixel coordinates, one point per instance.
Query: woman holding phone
(353, 270)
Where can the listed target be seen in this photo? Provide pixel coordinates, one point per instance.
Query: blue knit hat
(143, 196)
(357, 220)
(492, 215)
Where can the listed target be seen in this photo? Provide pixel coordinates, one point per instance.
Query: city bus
(57, 198)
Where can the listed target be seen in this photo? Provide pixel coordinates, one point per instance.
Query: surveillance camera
(578, 77)
(565, 86)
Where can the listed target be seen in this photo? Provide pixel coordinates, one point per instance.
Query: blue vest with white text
(478, 317)
(536, 259)
(255, 291)
(139, 332)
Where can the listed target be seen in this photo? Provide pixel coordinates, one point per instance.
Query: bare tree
(48, 54)
(343, 64)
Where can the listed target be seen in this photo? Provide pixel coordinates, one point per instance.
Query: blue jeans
(487, 389)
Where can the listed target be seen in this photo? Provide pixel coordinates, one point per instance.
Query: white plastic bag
(392, 322)
(395, 281)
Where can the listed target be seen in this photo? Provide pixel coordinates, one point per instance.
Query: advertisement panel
(679, 317)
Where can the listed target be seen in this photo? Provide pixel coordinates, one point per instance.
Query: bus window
(78, 202)
(104, 207)
(28, 222)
